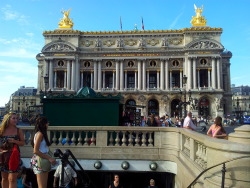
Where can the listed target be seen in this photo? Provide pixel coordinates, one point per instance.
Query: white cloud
(19, 53)
(9, 14)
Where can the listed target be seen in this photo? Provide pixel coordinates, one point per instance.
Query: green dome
(86, 91)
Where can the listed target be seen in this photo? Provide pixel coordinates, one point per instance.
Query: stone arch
(207, 44)
(59, 46)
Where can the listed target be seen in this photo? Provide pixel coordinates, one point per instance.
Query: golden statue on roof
(66, 22)
(198, 19)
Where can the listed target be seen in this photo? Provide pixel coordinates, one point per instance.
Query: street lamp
(46, 81)
(185, 102)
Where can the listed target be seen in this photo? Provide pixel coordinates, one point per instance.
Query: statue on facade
(198, 19)
(98, 43)
(66, 22)
(194, 104)
(164, 42)
(217, 103)
(120, 43)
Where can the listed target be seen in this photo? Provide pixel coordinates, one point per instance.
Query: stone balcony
(179, 151)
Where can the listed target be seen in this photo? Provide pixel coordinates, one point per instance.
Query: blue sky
(23, 22)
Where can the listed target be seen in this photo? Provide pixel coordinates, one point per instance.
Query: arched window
(109, 64)
(87, 64)
(152, 63)
(153, 107)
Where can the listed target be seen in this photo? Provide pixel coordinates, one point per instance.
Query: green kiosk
(86, 108)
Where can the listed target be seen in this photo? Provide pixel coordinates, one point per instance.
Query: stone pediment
(59, 46)
(205, 44)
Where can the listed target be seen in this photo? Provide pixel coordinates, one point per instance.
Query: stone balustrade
(191, 151)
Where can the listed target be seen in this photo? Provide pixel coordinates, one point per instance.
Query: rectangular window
(131, 80)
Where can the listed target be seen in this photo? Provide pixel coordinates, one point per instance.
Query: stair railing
(223, 171)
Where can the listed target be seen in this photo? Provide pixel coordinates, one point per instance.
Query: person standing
(69, 174)
(216, 130)
(152, 184)
(188, 123)
(13, 136)
(41, 145)
(116, 182)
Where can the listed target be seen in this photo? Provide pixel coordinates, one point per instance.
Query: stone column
(95, 75)
(103, 79)
(158, 79)
(68, 74)
(99, 75)
(117, 75)
(213, 73)
(194, 74)
(113, 81)
(91, 79)
(136, 80)
(77, 87)
(148, 79)
(126, 79)
(144, 75)
(139, 75)
(166, 75)
(51, 75)
(73, 78)
(55, 77)
(65, 79)
(121, 76)
(189, 76)
(219, 72)
(209, 77)
(181, 79)
(162, 75)
(171, 87)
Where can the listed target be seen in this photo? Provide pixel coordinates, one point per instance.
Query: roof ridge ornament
(66, 22)
(198, 19)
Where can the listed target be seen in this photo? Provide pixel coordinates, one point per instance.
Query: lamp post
(185, 102)
(46, 81)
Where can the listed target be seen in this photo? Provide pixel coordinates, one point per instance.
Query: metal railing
(223, 171)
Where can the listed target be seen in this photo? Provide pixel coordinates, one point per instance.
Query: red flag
(142, 24)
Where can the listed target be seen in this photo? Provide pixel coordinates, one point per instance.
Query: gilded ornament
(66, 22)
(198, 19)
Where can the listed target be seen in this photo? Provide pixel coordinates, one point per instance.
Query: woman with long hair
(41, 144)
(216, 130)
(11, 135)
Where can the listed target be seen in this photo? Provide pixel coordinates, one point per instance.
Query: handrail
(223, 163)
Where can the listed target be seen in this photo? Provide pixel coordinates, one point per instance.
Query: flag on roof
(142, 24)
(121, 23)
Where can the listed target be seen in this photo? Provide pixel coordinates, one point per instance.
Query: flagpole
(121, 23)
(142, 24)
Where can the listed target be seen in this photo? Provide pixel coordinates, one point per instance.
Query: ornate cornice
(58, 31)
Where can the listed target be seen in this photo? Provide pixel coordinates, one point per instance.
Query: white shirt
(43, 146)
(68, 174)
(188, 123)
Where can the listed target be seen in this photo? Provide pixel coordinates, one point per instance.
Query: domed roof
(227, 53)
(86, 91)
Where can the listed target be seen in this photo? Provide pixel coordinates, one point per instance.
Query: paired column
(139, 75)
(162, 74)
(121, 76)
(73, 76)
(77, 72)
(51, 75)
(65, 79)
(181, 78)
(55, 78)
(219, 73)
(68, 74)
(209, 77)
(167, 74)
(103, 79)
(136, 80)
(113, 82)
(117, 75)
(213, 73)
(95, 75)
(194, 74)
(144, 75)
(99, 79)
(126, 78)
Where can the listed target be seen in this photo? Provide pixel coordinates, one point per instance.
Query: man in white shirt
(188, 123)
(69, 173)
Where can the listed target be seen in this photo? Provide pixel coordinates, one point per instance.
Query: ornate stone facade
(146, 67)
